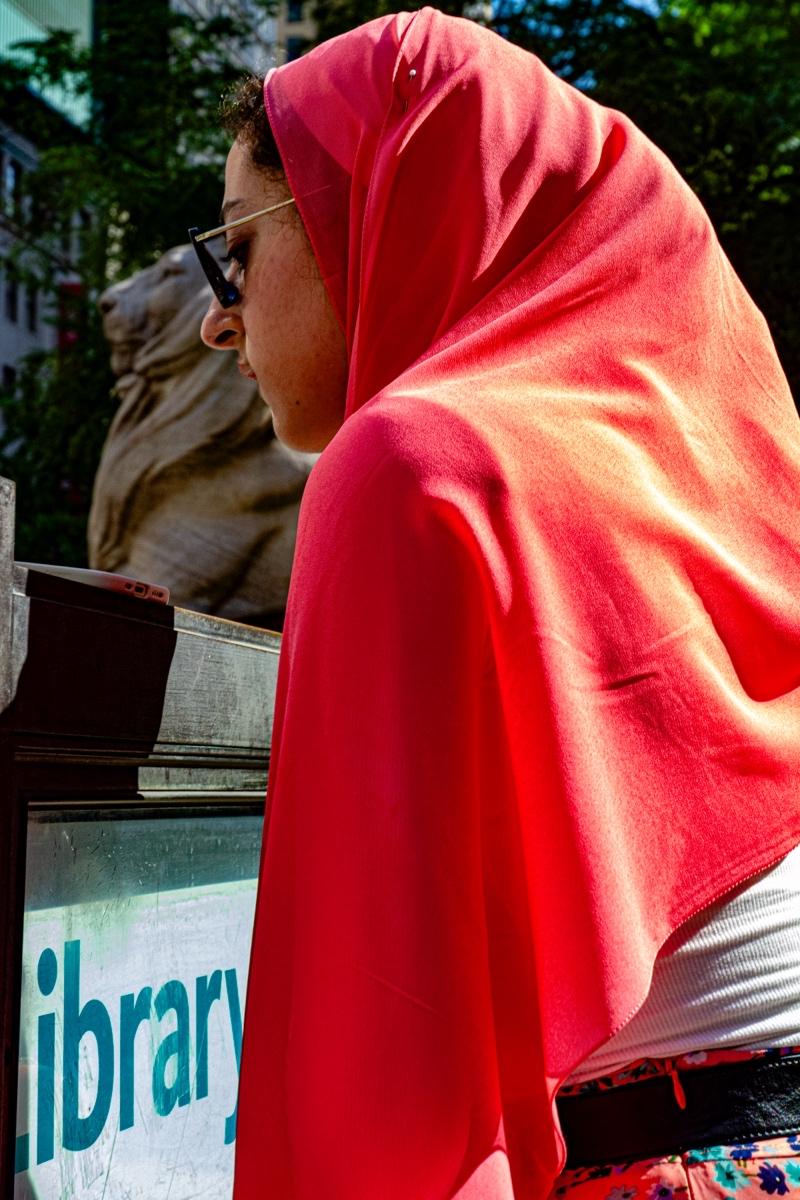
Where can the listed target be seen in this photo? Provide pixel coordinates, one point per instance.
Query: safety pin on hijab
(412, 74)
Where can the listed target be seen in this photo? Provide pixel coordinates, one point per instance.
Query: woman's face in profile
(284, 329)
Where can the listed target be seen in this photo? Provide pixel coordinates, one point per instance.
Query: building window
(32, 306)
(295, 46)
(11, 293)
(12, 186)
(9, 377)
(294, 10)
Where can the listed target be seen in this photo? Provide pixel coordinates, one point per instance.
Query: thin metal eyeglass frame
(226, 292)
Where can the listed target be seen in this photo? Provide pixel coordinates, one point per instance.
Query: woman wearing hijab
(534, 790)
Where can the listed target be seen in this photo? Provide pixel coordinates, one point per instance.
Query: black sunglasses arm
(226, 292)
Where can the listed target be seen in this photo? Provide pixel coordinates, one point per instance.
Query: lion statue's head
(193, 490)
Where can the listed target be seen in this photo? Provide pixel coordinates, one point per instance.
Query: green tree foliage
(148, 164)
(744, 140)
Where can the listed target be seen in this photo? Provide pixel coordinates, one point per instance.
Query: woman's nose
(221, 327)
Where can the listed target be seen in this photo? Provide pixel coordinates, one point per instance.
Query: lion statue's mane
(193, 490)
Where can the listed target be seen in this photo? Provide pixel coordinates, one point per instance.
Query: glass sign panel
(136, 946)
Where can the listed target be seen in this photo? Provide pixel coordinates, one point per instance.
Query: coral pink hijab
(539, 693)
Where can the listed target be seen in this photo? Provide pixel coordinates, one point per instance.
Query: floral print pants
(748, 1171)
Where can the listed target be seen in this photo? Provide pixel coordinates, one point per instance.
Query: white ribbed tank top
(729, 976)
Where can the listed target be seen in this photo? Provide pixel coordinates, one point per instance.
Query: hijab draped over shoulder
(542, 651)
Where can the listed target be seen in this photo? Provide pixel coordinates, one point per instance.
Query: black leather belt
(726, 1105)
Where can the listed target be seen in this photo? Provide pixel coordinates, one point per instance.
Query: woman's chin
(296, 436)
(298, 432)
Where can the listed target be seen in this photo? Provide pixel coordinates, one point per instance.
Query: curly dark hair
(243, 115)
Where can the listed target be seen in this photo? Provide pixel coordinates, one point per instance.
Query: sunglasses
(224, 289)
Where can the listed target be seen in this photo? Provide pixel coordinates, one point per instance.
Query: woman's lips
(246, 369)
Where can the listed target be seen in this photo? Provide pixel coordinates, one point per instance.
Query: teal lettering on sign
(175, 1045)
(46, 976)
(207, 990)
(131, 1014)
(90, 1020)
(88, 1017)
(236, 1029)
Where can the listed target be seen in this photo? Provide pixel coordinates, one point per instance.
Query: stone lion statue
(193, 490)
